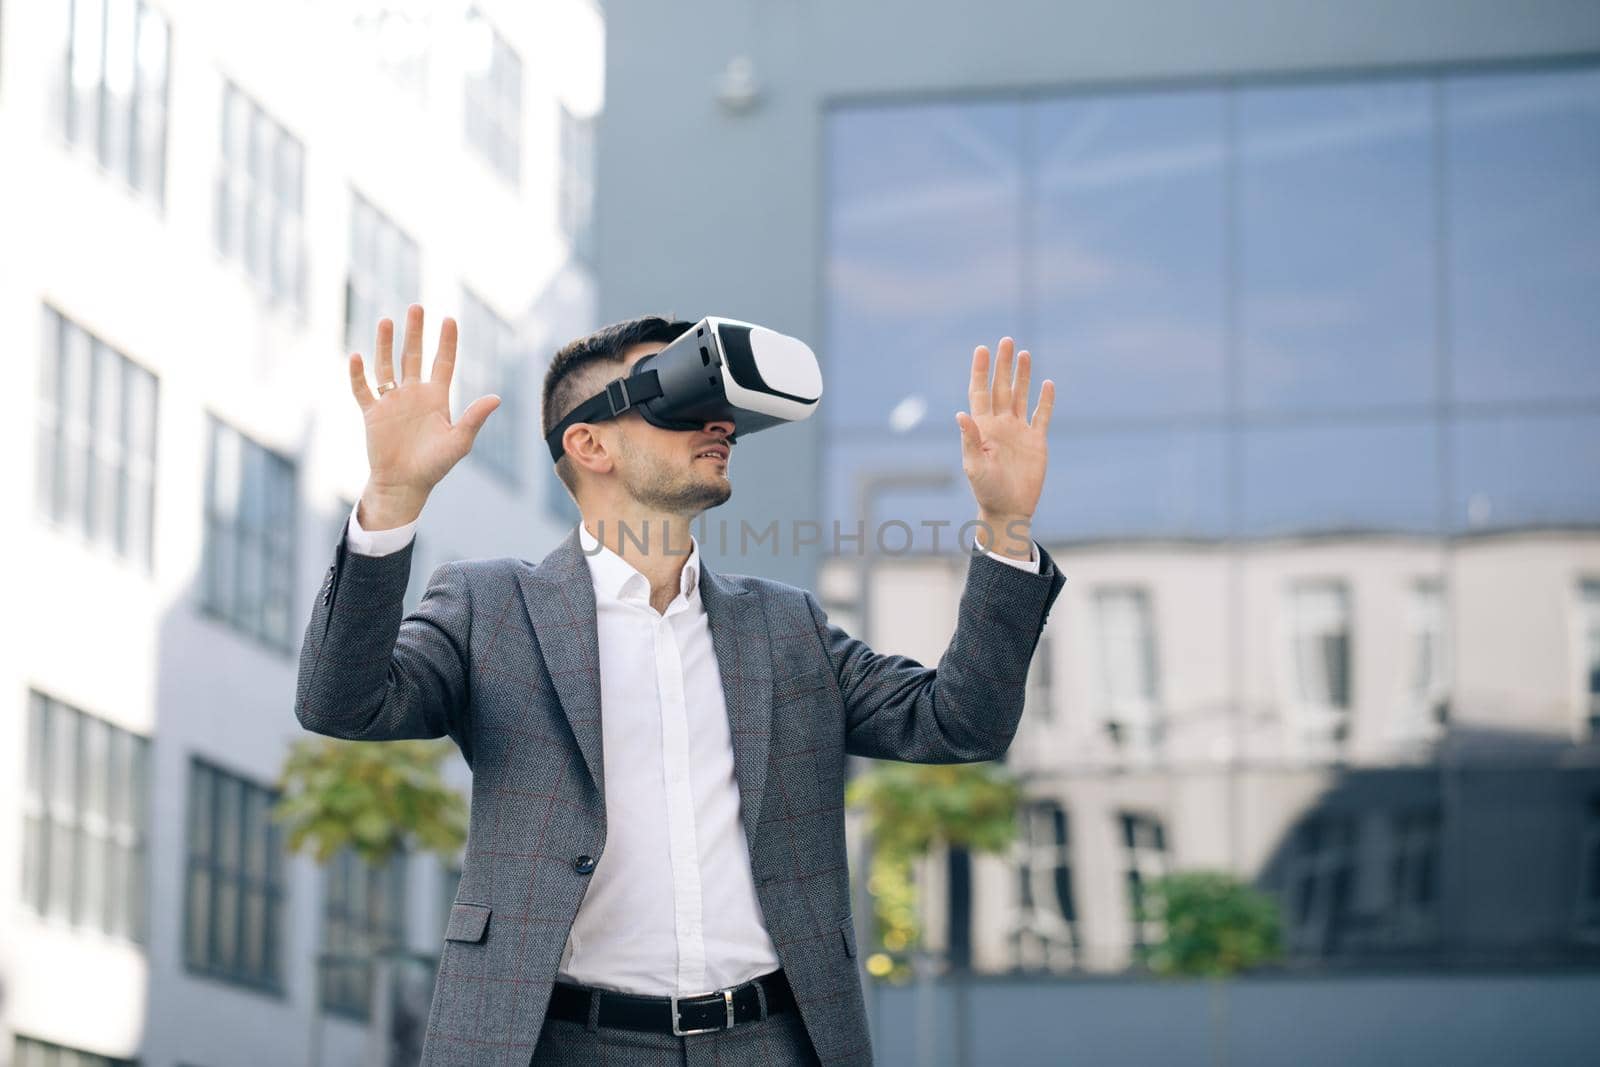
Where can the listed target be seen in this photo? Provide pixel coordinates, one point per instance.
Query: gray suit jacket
(501, 655)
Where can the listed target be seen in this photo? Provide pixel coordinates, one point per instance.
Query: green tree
(910, 809)
(1214, 924)
(377, 797)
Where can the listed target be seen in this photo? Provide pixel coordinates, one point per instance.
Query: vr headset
(718, 369)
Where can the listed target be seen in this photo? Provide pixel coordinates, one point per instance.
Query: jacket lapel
(744, 660)
(559, 598)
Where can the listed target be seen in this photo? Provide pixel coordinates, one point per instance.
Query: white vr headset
(718, 369)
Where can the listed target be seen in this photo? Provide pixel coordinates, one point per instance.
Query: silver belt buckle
(727, 1000)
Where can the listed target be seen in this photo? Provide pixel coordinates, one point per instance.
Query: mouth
(717, 452)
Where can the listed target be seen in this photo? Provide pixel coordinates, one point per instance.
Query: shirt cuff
(378, 542)
(1031, 564)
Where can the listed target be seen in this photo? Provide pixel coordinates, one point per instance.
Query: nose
(722, 426)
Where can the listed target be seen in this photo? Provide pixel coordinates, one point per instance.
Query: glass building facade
(1270, 307)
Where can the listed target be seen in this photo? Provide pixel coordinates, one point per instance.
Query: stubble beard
(658, 485)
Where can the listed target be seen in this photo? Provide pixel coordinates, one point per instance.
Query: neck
(655, 543)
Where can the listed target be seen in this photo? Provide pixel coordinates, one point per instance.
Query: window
(449, 886)
(493, 96)
(1144, 840)
(111, 103)
(260, 199)
(1589, 683)
(364, 911)
(1125, 197)
(1129, 685)
(900, 280)
(85, 814)
(1520, 149)
(1041, 682)
(1414, 875)
(1589, 871)
(233, 907)
(577, 182)
(97, 441)
(32, 1052)
(1319, 881)
(249, 548)
(1211, 262)
(490, 365)
(1427, 704)
(385, 279)
(1044, 932)
(1319, 615)
(1336, 216)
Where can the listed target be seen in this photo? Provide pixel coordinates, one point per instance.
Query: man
(656, 842)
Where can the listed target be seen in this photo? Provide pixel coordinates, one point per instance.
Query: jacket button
(583, 864)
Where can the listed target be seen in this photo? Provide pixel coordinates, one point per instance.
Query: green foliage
(910, 809)
(375, 797)
(1215, 924)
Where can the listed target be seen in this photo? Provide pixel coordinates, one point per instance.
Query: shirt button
(583, 864)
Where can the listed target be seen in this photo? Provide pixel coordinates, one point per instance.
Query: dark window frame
(147, 103)
(74, 446)
(274, 540)
(250, 189)
(201, 954)
(383, 278)
(493, 365)
(120, 826)
(1026, 938)
(363, 911)
(1142, 832)
(493, 100)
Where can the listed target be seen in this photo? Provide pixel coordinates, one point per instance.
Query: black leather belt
(675, 1015)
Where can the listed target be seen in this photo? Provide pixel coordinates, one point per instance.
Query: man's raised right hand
(411, 443)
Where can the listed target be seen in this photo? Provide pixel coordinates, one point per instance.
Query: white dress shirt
(671, 907)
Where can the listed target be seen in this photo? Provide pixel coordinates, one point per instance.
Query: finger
(978, 388)
(1047, 404)
(384, 351)
(358, 383)
(444, 360)
(1001, 398)
(472, 419)
(971, 437)
(1020, 390)
(411, 356)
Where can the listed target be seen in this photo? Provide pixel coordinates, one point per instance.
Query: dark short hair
(570, 379)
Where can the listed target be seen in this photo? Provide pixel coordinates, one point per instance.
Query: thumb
(474, 417)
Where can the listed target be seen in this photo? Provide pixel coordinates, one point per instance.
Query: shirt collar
(616, 578)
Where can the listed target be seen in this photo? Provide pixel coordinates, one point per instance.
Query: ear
(587, 449)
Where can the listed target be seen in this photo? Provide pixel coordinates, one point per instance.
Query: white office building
(204, 208)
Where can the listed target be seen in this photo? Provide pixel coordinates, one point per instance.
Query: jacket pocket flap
(467, 922)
